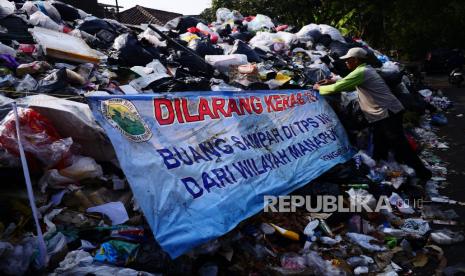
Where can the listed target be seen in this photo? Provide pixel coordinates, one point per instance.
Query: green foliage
(410, 26)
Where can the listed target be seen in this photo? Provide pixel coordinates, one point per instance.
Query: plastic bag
(333, 32)
(418, 227)
(260, 22)
(241, 47)
(204, 47)
(7, 50)
(321, 266)
(309, 32)
(152, 37)
(223, 15)
(17, 29)
(15, 259)
(130, 52)
(223, 62)
(56, 81)
(41, 20)
(45, 7)
(27, 84)
(446, 236)
(292, 261)
(6, 8)
(439, 119)
(80, 263)
(40, 139)
(182, 23)
(67, 12)
(82, 168)
(53, 179)
(365, 242)
(207, 31)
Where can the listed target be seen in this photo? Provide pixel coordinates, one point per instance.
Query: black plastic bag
(241, 47)
(57, 81)
(339, 48)
(355, 118)
(314, 75)
(325, 40)
(191, 64)
(17, 30)
(182, 23)
(128, 51)
(204, 47)
(244, 36)
(391, 78)
(102, 29)
(67, 12)
(224, 30)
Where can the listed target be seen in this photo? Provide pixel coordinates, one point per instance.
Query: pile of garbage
(53, 54)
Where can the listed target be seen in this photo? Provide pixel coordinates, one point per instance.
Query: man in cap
(380, 107)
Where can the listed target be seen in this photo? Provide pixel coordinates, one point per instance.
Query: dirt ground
(454, 134)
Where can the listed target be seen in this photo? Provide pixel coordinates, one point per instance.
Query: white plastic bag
(41, 20)
(331, 31)
(260, 22)
(82, 168)
(6, 8)
(152, 37)
(223, 62)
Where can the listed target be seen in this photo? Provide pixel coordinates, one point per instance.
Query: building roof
(140, 15)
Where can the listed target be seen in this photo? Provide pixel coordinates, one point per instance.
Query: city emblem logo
(123, 115)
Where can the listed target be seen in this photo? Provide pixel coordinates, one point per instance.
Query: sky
(179, 6)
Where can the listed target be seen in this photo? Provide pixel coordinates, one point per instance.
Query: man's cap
(356, 52)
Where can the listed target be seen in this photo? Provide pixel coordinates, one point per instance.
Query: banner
(199, 163)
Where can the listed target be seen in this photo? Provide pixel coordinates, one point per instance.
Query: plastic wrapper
(40, 139)
(116, 252)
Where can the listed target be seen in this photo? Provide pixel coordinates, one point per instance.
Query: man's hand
(317, 85)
